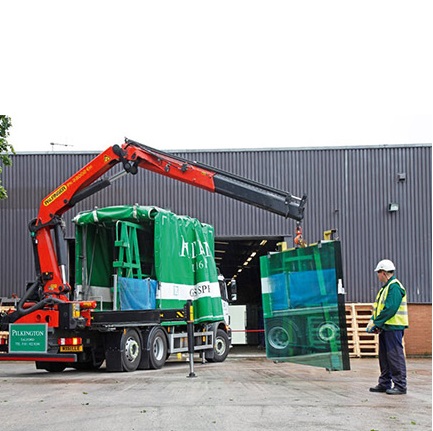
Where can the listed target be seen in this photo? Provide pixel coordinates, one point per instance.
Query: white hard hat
(385, 265)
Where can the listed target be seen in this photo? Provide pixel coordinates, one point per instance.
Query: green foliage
(6, 149)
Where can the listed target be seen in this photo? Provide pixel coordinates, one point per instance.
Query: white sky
(216, 74)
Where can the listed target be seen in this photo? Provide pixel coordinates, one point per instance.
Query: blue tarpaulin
(137, 294)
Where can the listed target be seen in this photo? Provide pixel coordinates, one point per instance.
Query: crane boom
(50, 256)
(234, 186)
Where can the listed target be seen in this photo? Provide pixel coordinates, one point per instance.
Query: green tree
(6, 149)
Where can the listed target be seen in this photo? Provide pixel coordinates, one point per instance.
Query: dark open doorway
(239, 258)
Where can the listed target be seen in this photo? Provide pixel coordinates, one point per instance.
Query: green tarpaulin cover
(149, 242)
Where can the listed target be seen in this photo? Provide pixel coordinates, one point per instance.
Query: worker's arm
(392, 303)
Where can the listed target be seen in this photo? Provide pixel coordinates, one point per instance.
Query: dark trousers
(391, 360)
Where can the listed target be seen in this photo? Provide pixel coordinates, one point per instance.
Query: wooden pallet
(4, 335)
(360, 342)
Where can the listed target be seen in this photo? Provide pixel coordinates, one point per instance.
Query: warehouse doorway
(239, 258)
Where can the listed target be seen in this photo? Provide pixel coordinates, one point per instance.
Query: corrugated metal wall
(348, 189)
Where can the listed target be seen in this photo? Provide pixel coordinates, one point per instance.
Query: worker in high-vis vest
(389, 320)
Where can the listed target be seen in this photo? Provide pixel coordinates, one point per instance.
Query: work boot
(396, 391)
(378, 388)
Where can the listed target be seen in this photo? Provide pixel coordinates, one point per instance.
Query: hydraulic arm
(50, 256)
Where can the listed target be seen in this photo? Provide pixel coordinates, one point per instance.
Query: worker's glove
(371, 327)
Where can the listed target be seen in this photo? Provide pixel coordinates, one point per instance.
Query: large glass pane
(303, 306)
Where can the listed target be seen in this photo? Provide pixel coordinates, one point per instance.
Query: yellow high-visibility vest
(401, 317)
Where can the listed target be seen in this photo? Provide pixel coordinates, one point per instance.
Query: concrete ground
(246, 392)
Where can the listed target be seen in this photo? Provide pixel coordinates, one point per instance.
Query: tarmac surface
(246, 392)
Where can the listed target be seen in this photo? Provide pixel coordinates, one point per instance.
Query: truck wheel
(52, 367)
(221, 346)
(130, 346)
(88, 366)
(158, 351)
(95, 358)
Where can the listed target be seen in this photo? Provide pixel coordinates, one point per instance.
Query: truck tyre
(52, 367)
(88, 366)
(158, 351)
(130, 346)
(221, 346)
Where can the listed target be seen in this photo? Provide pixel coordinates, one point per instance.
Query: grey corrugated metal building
(348, 189)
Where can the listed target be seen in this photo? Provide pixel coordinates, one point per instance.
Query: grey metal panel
(348, 189)
(373, 233)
